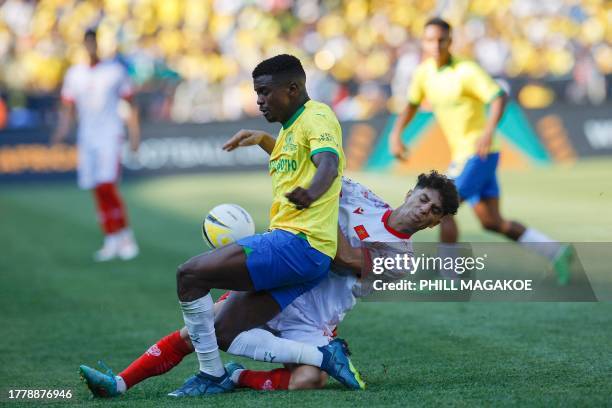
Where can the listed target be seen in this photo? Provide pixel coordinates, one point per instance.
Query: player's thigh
(221, 268)
(108, 163)
(243, 311)
(86, 164)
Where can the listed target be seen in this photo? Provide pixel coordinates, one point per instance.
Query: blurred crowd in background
(192, 59)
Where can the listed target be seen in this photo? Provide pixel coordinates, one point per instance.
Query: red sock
(110, 207)
(158, 359)
(265, 380)
(103, 210)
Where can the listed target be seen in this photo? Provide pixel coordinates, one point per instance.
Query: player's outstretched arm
(247, 137)
(397, 147)
(327, 171)
(66, 118)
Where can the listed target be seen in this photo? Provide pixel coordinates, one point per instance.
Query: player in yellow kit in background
(458, 91)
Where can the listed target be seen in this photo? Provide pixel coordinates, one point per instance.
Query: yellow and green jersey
(314, 128)
(458, 93)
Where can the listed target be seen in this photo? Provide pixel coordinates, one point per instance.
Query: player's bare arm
(347, 256)
(133, 125)
(67, 116)
(397, 147)
(327, 171)
(247, 137)
(496, 111)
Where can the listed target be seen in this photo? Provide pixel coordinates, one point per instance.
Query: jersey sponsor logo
(154, 351)
(327, 138)
(283, 165)
(362, 233)
(289, 143)
(358, 210)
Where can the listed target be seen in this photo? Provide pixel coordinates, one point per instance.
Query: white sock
(236, 376)
(261, 345)
(127, 234)
(121, 386)
(199, 319)
(539, 243)
(112, 239)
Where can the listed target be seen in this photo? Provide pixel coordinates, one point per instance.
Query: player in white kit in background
(93, 93)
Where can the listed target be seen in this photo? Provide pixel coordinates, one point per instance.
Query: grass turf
(59, 310)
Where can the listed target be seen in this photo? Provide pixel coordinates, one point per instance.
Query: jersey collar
(385, 221)
(447, 65)
(294, 117)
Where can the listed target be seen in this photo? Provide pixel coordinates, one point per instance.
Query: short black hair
(444, 186)
(437, 21)
(283, 64)
(90, 32)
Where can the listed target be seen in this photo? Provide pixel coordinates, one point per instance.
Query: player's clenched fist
(300, 197)
(398, 149)
(244, 137)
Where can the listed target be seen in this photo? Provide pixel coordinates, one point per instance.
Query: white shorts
(98, 164)
(290, 324)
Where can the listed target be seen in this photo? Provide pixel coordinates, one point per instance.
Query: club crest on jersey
(362, 233)
(358, 210)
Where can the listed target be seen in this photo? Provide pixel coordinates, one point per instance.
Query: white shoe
(109, 251)
(127, 248)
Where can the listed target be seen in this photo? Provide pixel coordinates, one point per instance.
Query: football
(227, 223)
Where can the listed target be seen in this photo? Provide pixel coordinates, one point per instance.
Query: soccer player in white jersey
(310, 320)
(93, 93)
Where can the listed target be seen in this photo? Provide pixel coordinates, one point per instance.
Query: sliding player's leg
(290, 377)
(302, 347)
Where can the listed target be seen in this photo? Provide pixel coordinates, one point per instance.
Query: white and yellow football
(227, 223)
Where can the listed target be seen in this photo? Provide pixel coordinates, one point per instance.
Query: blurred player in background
(458, 91)
(311, 320)
(93, 93)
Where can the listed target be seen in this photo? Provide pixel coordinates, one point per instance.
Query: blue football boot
(202, 384)
(337, 364)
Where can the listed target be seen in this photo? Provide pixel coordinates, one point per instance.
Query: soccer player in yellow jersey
(270, 270)
(458, 91)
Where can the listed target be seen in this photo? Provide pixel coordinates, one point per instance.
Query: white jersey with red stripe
(313, 317)
(96, 91)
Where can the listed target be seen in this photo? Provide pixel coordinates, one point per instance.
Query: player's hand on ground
(483, 146)
(300, 197)
(399, 150)
(244, 137)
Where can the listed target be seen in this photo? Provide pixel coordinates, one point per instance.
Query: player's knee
(187, 282)
(491, 225)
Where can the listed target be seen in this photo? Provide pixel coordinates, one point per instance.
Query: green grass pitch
(58, 309)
